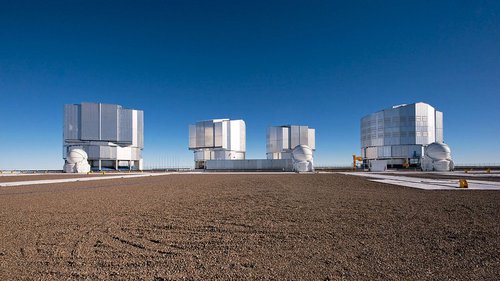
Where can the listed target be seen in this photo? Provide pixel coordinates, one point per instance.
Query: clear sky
(319, 63)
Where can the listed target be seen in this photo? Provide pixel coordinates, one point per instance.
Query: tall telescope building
(217, 139)
(111, 136)
(281, 140)
(400, 134)
(292, 142)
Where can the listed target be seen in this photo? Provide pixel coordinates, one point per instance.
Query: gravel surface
(281, 227)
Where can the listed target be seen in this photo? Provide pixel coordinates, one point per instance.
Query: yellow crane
(354, 159)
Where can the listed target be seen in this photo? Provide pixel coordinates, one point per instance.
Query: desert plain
(247, 226)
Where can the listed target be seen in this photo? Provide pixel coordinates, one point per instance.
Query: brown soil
(281, 227)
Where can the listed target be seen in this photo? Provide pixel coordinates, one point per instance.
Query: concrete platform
(482, 174)
(80, 179)
(76, 178)
(427, 184)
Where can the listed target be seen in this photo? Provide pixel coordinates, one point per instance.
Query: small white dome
(302, 153)
(438, 151)
(82, 167)
(442, 165)
(76, 155)
(69, 168)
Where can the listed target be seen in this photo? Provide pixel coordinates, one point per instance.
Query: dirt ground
(280, 227)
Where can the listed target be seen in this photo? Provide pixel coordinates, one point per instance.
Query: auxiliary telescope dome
(302, 153)
(76, 156)
(438, 151)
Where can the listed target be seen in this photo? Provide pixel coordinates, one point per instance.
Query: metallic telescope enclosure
(281, 140)
(111, 135)
(400, 134)
(217, 139)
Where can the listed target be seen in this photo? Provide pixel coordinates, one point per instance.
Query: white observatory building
(400, 135)
(281, 140)
(105, 135)
(217, 139)
(292, 142)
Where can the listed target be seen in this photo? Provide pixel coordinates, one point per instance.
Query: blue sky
(319, 63)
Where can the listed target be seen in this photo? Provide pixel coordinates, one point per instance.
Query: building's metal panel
(232, 135)
(384, 151)
(431, 125)
(200, 135)
(281, 139)
(135, 139)
(424, 124)
(140, 128)
(285, 142)
(277, 139)
(71, 122)
(243, 136)
(371, 152)
(224, 133)
(240, 136)
(311, 139)
(364, 131)
(379, 125)
(407, 124)
(93, 151)
(218, 134)
(138, 154)
(192, 136)
(439, 127)
(128, 153)
(209, 134)
(124, 153)
(109, 122)
(396, 151)
(220, 155)
(90, 124)
(107, 152)
(227, 155)
(125, 126)
(303, 135)
(202, 155)
(236, 135)
(270, 139)
(294, 136)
